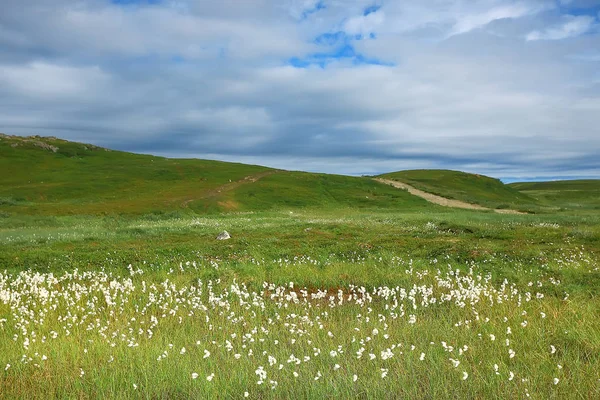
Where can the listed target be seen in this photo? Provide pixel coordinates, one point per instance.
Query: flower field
(441, 330)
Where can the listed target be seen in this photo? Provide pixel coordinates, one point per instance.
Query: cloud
(295, 84)
(571, 26)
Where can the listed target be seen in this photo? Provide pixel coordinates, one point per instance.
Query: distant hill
(56, 177)
(570, 194)
(470, 188)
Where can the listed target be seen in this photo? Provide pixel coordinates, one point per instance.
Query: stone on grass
(224, 236)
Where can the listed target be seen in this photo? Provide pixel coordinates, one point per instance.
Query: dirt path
(230, 186)
(442, 201)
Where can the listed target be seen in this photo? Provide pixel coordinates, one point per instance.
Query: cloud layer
(507, 88)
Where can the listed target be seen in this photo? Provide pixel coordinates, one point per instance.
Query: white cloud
(457, 97)
(571, 26)
(363, 25)
(467, 22)
(48, 81)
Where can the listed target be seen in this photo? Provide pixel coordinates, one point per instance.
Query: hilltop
(570, 194)
(47, 175)
(470, 188)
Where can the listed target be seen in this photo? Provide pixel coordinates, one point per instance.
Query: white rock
(224, 236)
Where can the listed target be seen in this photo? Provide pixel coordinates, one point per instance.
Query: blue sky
(501, 87)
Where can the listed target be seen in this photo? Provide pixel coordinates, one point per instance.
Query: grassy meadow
(330, 287)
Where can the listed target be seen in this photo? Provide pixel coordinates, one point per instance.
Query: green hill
(57, 177)
(572, 194)
(470, 188)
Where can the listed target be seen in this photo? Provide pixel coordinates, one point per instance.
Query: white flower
(465, 375)
(206, 354)
(210, 377)
(135, 386)
(194, 375)
(354, 378)
(336, 367)
(552, 349)
(556, 380)
(246, 394)
(511, 353)
(422, 357)
(511, 376)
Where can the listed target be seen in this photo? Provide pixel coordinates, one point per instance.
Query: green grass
(470, 188)
(317, 250)
(579, 195)
(109, 267)
(83, 179)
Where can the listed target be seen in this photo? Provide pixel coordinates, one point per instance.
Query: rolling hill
(56, 177)
(571, 194)
(469, 188)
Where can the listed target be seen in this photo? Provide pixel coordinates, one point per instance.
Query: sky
(505, 88)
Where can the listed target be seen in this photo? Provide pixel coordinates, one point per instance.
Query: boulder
(224, 236)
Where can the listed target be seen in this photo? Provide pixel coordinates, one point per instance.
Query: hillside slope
(469, 188)
(572, 194)
(56, 177)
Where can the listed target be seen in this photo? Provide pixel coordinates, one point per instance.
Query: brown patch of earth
(442, 201)
(228, 187)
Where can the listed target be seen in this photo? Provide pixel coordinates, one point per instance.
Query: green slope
(56, 177)
(471, 188)
(569, 195)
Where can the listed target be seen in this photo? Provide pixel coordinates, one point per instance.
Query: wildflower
(246, 394)
(182, 351)
(556, 380)
(511, 353)
(552, 349)
(336, 367)
(354, 378)
(210, 377)
(465, 375)
(206, 354)
(511, 376)
(194, 375)
(422, 357)
(135, 386)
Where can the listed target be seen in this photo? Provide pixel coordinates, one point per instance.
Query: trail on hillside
(442, 201)
(230, 186)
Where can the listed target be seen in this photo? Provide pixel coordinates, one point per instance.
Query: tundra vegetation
(112, 284)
